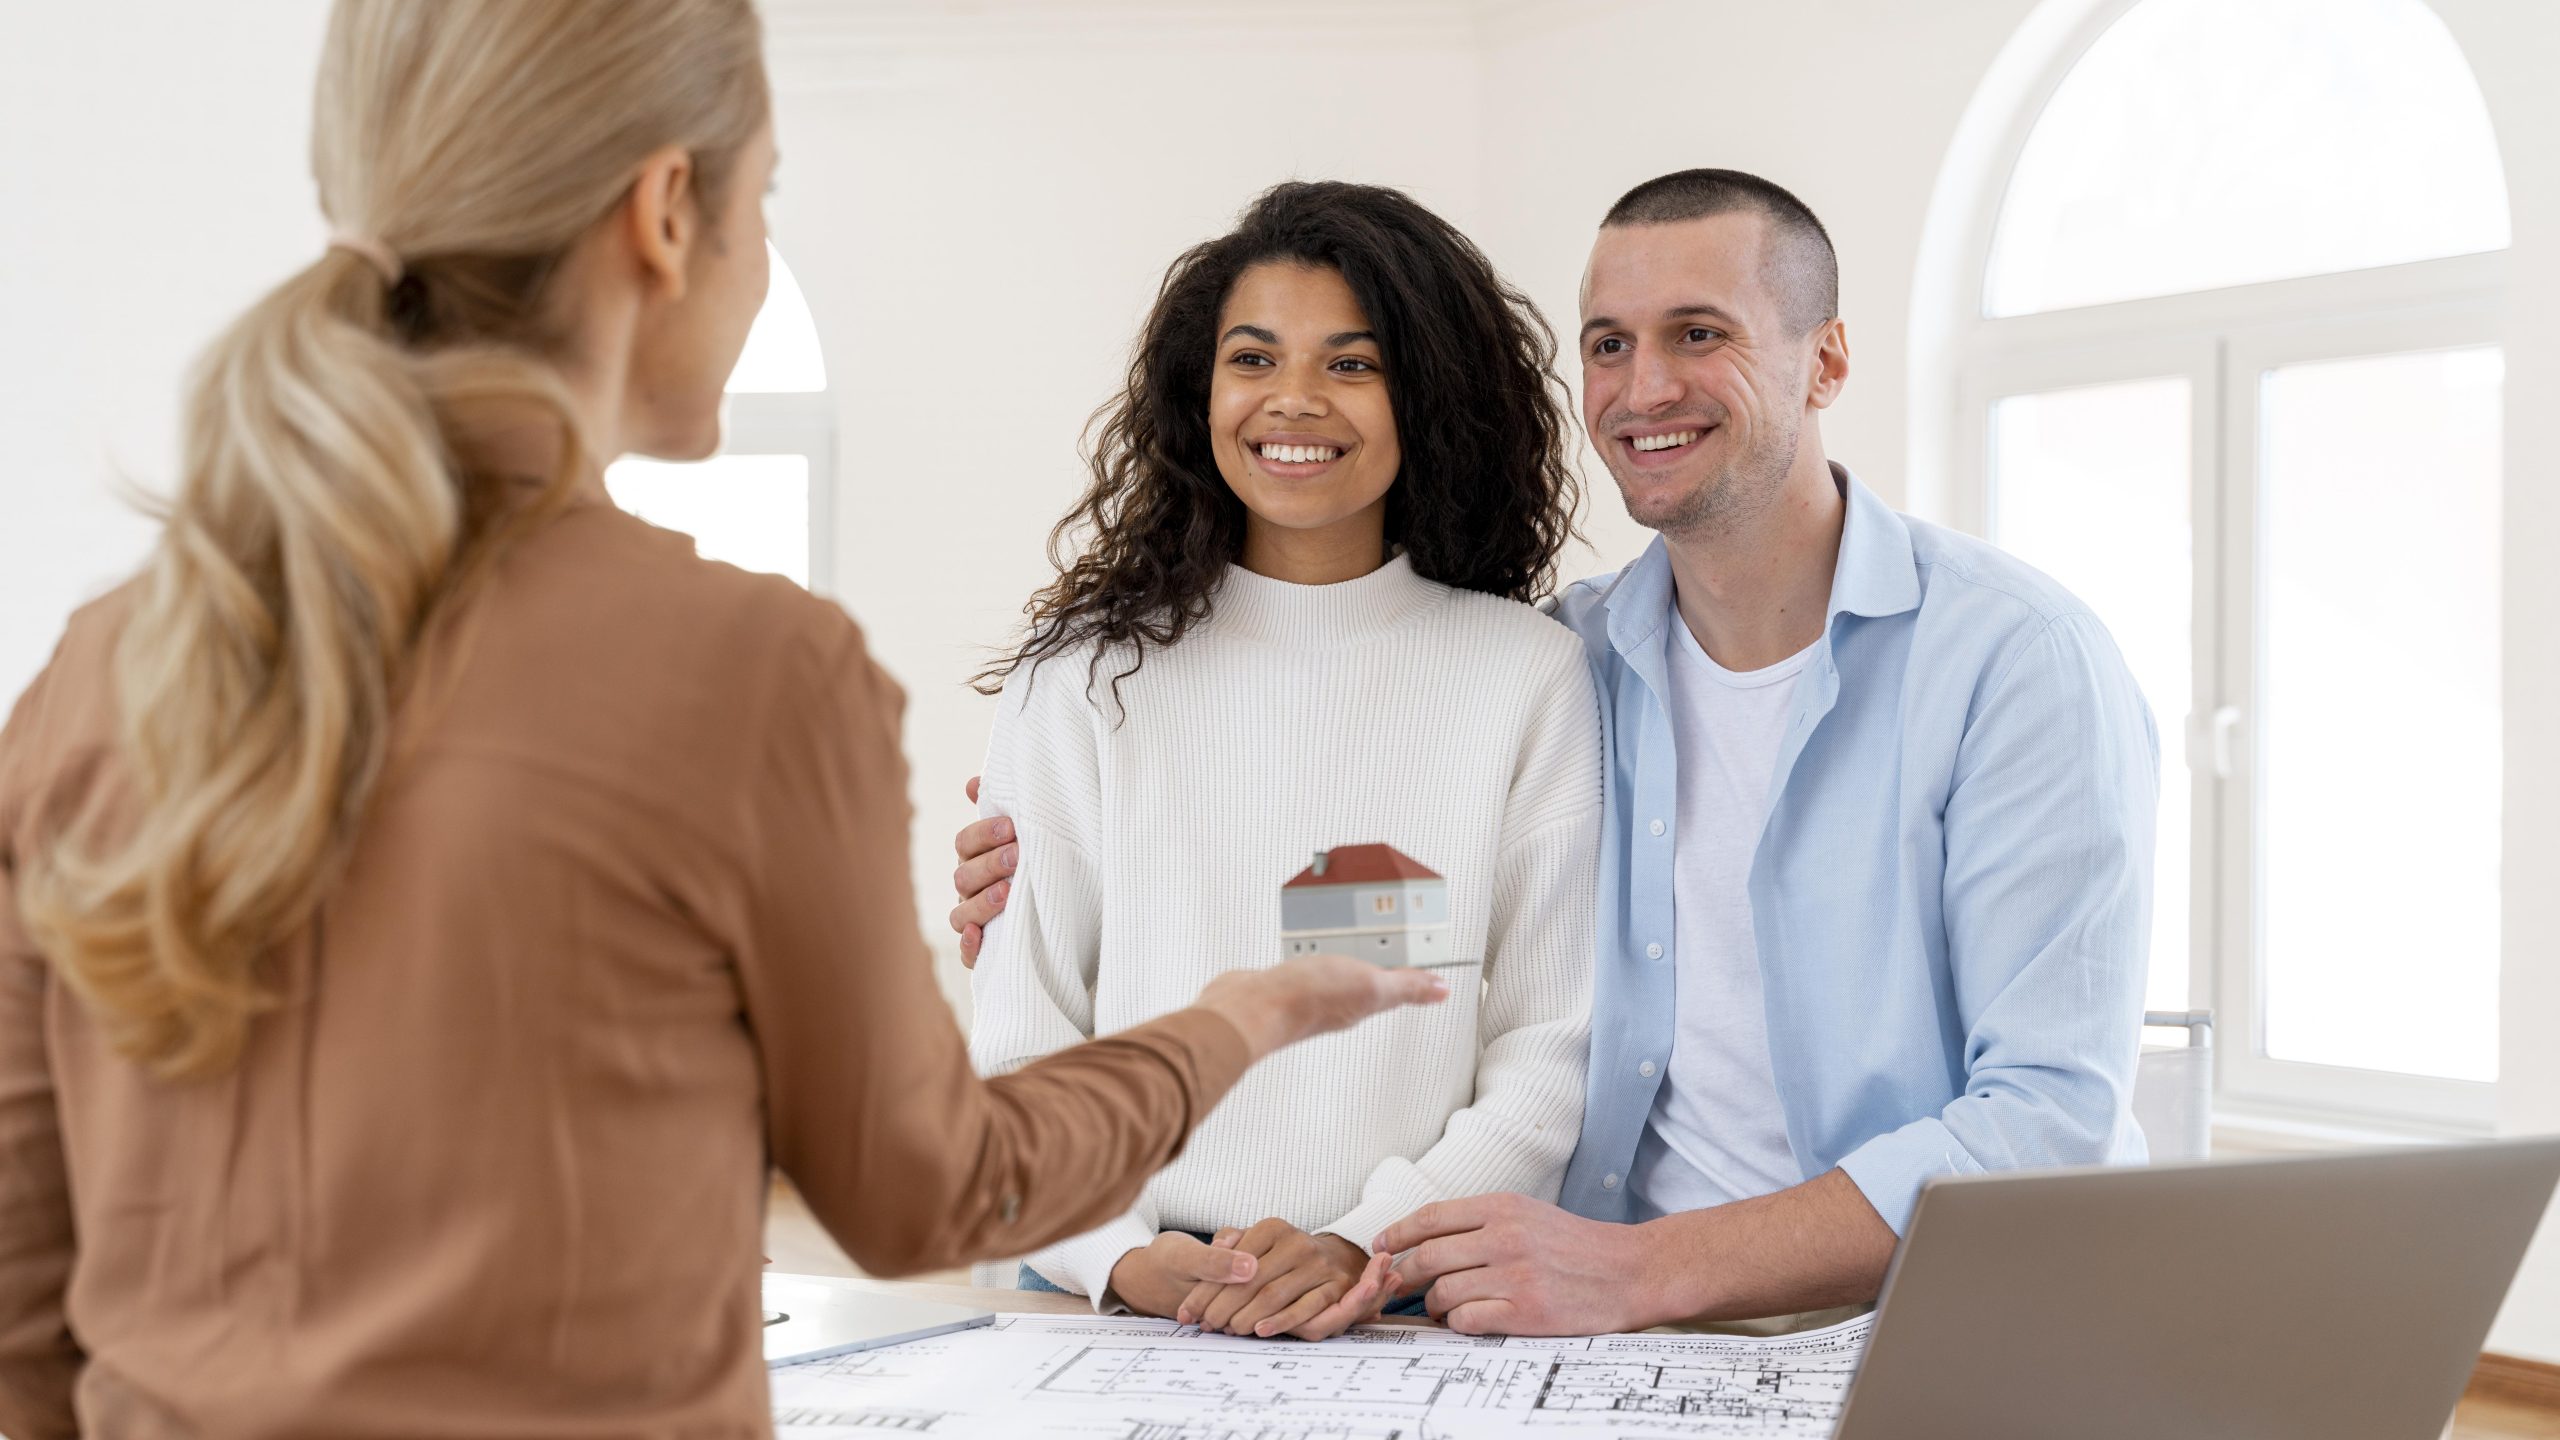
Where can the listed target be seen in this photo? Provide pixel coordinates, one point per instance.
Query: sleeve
(910, 1160)
(1533, 1027)
(2047, 902)
(1032, 991)
(39, 1361)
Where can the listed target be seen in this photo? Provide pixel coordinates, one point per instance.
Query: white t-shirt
(1717, 1133)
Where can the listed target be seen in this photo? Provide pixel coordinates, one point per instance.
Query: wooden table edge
(1023, 1302)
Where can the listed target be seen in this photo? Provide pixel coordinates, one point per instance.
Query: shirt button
(1657, 827)
(1645, 1069)
(1653, 951)
(1608, 1182)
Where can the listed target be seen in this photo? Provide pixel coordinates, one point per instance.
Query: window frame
(798, 423)
(2222, 341)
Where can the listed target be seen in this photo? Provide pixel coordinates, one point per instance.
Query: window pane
(782, 346)
(2378, 763)
(2203, 143)
(2091, 486)
(749, 510)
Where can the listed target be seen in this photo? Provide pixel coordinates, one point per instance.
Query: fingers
(1450, 1292)
(977, 911)
(1196, 1304)
(1399, 988)
(1194, 1261)
(984, 881)
(1223, 1306)
(1440, 1217)
(1318, 994)
(1359, 1304)
(981, 873)
(972, 788)
(1299, 1318)
(1280, 1292)
(1428, 1261)
(1488, 1317)
(1265, 1240)
(970, 918)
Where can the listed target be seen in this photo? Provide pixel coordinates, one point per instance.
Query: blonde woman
(432, 896)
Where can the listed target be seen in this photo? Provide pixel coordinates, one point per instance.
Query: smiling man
(1877, 861)
(1875, 877)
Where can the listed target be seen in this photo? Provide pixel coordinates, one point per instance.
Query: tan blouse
(629, 920)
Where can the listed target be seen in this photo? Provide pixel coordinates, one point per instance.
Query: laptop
(2321, 1297)
(810, 1317)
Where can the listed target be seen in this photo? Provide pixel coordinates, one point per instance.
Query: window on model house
(2235, 380)
(1383, 904)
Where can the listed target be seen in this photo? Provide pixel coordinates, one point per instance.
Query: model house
(1371, 901)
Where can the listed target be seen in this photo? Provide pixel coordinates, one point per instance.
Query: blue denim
(1033, 1280)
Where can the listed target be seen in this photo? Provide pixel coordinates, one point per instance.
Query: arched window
(2206, 143)
(2232, 374)
(765, 501)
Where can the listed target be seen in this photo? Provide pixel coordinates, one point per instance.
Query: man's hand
(1154, 1278)
(1310, 1286)
(1510, 1265)
(988, 857)
(1505, 1264)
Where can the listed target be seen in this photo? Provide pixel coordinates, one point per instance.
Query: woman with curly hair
(1299, 620)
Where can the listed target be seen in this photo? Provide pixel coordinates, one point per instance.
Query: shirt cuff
(1389, 1198)
(1084, 1263)
(1890, 1169)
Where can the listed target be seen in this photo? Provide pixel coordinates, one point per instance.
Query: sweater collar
(1317, 617)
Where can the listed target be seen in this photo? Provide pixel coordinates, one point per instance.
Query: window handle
(2213, 742)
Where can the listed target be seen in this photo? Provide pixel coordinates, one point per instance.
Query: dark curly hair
(1482, 501)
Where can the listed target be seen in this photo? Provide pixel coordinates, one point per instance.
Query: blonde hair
(330, 508)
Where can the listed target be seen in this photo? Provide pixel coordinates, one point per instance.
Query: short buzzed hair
(1802, 267)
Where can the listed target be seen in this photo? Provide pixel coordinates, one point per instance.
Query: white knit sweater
(1459, 728)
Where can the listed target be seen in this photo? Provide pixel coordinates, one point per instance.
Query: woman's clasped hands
(1268, 1279)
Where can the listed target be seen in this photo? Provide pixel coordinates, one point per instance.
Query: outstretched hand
(1310, 995)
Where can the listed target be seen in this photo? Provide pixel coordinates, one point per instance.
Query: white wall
(2511, 44)
(155, 182)
(1848, 103)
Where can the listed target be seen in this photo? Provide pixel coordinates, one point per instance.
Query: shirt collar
(1874, 576)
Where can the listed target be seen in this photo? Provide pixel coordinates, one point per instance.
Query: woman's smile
(1297, 456)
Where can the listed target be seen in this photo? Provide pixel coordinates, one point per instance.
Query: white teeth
(1665, 442)
(1297, 454)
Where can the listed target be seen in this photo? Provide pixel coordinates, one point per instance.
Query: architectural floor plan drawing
(1089, 1378)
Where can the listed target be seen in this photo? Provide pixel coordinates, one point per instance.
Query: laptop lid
(809, 1317)
(2342, 1297)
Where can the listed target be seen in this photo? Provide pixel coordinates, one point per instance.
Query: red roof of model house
(1361, 865)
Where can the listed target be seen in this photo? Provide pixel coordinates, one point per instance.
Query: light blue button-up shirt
(1952, 889)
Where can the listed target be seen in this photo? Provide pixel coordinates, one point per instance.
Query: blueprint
(1085, 1377)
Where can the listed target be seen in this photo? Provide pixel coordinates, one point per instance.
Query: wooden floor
(799, 1247)
(2486, 1419)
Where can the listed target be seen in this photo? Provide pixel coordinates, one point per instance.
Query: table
(1029, 1302)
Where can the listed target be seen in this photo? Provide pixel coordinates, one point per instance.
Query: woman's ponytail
(330, 506)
